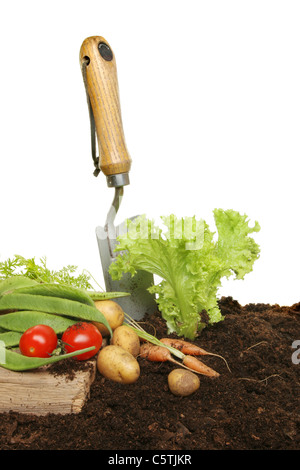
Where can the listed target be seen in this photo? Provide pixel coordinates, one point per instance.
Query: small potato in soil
(183, 382)
(126, 338)
(113, 313)
(116, 364)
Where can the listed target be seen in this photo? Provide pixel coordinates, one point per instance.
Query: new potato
(116, 364)
(182, 382)
(113, 313)
(126, 338)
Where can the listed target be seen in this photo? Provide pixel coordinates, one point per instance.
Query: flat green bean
(15, 282)
(57, 290)
(10, 338)
(106, 295)
(22, 320)
(55, 305)
(17, 362)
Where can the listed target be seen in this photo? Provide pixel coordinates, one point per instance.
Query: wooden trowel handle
(103, 91)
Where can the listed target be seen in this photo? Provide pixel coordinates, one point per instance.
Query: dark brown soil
(253, 407)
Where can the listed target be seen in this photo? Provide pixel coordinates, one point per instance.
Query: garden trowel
(101, 83)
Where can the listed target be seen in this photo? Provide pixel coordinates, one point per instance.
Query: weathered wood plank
(41, 392)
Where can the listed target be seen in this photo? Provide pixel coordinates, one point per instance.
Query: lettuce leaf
(189, 262)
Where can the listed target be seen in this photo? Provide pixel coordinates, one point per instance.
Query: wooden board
(40, 392)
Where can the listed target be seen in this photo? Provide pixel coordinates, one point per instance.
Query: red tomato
(82, 335)
(38, 341)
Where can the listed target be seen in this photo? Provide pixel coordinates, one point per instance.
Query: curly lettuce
(189, 262)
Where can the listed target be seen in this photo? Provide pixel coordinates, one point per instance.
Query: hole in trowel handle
(86, 60)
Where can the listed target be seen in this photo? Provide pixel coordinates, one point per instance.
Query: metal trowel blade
(140, 301)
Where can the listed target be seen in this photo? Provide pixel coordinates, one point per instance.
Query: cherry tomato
(38, 341)
(82, 335)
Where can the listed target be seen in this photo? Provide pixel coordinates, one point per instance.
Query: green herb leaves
(189, 262)
(18, 265)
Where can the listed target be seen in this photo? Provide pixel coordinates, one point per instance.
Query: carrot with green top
(189, 348)
(155, 350)
(156, 353)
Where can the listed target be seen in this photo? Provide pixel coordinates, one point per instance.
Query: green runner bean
(10, 338)
(106, 295)
(58, 290)
(17, 362)
(22, 320)
(15, 282)
(55, 305)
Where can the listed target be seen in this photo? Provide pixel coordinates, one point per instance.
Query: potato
(113, 313)
(182, 382)
(116, 364)
(125, 337)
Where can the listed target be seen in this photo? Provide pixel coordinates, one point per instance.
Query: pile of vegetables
(190, 263)
(42, 323)
(45, 322)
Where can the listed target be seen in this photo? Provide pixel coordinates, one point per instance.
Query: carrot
(189, 348)
(185, 347)
(157, 353)
(154, 353)
(193, 363)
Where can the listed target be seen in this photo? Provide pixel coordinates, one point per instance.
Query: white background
(210, 98)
